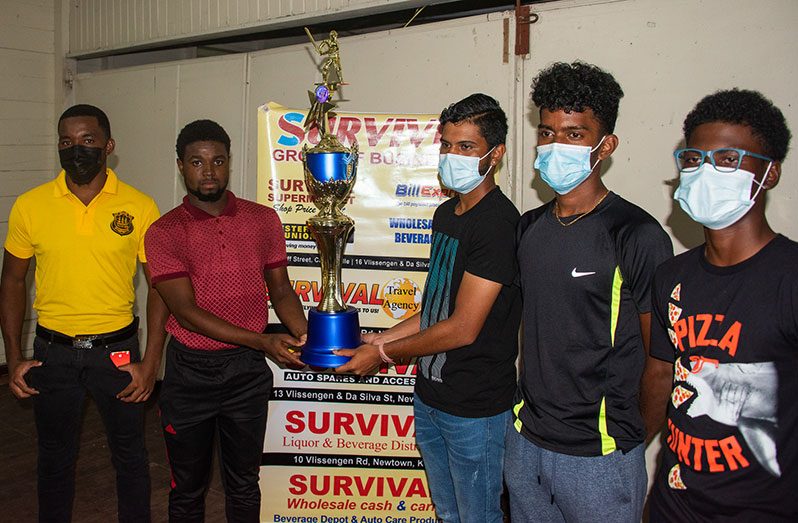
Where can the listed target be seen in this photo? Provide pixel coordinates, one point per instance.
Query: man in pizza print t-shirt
(724, 340)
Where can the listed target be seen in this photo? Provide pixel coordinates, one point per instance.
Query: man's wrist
(255, 340)
(384, 357)
(14, 358)
(150, 364)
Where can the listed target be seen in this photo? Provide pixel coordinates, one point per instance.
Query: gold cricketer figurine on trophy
(330, 172)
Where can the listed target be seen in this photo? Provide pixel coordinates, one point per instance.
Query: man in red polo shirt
(209, 258)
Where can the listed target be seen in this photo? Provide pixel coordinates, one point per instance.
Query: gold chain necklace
(557, 211)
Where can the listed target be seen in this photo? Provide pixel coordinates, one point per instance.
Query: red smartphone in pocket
(120, 358)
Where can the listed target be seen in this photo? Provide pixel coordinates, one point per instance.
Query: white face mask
(461, 173)
(564, 166)
(714, 198)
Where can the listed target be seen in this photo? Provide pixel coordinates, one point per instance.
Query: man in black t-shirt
(465, 337)
(724, 345)
(586, 261)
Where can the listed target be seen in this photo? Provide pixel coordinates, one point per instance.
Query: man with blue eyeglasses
(724, 343)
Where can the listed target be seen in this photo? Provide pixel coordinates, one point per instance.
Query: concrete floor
(95, 498)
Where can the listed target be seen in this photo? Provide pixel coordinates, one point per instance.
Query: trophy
(330, 170)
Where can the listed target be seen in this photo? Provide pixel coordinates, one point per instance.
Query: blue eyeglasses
(725, 160)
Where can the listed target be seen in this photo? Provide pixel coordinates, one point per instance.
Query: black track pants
(205, 393)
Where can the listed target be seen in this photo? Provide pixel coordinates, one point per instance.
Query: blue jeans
(548, 486)
(463, 460)
(63, 380)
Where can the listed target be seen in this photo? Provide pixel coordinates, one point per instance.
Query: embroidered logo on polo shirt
(122, 223)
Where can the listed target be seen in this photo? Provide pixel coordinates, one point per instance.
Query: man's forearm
(289, 310)
(13, 303)
(403, 329)
(208, 324)
(157, 314)
(445, 335)
(655, 387)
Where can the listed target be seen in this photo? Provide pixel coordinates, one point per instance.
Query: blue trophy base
(328, 331)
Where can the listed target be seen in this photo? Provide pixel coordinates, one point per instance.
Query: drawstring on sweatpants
(553, 475)
(540, 464)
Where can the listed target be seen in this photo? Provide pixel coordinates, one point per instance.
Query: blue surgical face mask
(461, 173)
(564, 166)
(714, 198)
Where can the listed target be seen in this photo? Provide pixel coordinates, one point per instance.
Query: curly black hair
(577, 86)
(744, 107)
(484, 112)
(201, 131)
(88, 110)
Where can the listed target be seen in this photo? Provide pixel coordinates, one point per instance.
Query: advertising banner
(340, 448)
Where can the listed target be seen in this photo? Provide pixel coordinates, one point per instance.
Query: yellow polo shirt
(85, 254)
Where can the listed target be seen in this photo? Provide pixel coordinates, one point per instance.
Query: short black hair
(484, 112)
(578, 86)
(743, 107)
(88, 110)
(201, 131)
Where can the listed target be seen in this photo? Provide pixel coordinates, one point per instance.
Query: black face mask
(81, 163)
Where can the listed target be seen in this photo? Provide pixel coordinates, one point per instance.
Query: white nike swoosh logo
(577, 274)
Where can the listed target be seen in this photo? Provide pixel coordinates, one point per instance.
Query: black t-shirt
(732, 431)
(477, 380)
(584, 287)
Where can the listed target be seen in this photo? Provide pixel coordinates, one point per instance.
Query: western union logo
(297, 232)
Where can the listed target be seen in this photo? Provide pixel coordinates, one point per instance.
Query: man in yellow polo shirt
(85, 229)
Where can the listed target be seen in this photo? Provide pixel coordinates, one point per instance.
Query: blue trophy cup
(330, 172)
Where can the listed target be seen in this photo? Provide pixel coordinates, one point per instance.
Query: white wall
(148, 105)
(100, 26)
(27, 107)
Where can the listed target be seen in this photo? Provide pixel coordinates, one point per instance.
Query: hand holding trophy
(330, 172)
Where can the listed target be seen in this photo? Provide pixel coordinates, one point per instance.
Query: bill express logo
(411, 190)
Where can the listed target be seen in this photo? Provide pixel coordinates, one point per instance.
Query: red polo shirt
(224, 256)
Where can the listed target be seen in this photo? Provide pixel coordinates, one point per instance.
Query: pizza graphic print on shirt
(672, 336)
(680, 372)
(675, 478)
(674, 313)
(731, 334)
(680, 395)
(738, 395)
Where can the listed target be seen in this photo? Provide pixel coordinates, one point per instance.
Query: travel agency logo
(401, 298)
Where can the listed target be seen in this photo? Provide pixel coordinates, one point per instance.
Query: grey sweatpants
(547, 486)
